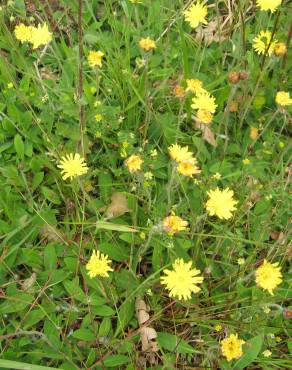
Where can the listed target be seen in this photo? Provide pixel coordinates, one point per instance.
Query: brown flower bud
(243, 75)
(233, 106)
(233, 77)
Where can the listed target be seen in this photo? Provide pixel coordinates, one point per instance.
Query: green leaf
(19, 146)
(116, 360)
(50, 257)
(173, 343)
(84, 334)
(115, 227)
(75, 291)
(251, 350)
(7, 364)
(103, 311)
(51, 195)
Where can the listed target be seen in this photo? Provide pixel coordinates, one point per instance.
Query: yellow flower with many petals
(254, 133)
(95, 58)
(195, 86)
(271, 5)
(204, 116)
(196, 14)
(98, 265)
(179, 153)
(182, 280)
(23, 32)
(72, 166)
(263, 44)
(268, 276)
(283, 98)
(280, 49)
(134, 163)
(221, 203)
(188, 168)
(173, 224)
(147, 44)
(204, 101)
(232, 347)
(40, 36)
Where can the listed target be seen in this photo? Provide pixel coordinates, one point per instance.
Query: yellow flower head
(23, 32)
(232, 347)
(267, 353)
(221, 203)
(196, 14)
(246, 161)
(283, 98)
(195, 86)
(173, 224)
(98, 265)
(72, 166)
(134, 163)
(40, 35)
(182, 280)
(271, 5)
(95, 58)
(262, 42)
(268, 276)
(147, 44)
(188, 168)
(280, 49)
(254, 133)
(178, 153)
(98, 117)
(204, 101)
(204, 116)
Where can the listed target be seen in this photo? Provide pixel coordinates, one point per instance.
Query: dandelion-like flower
(280, 49)
(204, 101)
(232, 347)
(254, 133)
(98, 265)
(134, 163)
(179, 153)
(147, 44)
(182, 280)
(23, 32)
(196, 14)
(40, 35)
(95, 58)
(204, 116)
(283, 98)
(72, 165)
(271, 5)
(268, 276)
(188, 168)
(173, 224)
(195, 86)
(262, 43)
(221, 203)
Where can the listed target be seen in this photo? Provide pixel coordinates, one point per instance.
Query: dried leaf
(29, 282)
(117, 207)
(207, 133)
(51, 233)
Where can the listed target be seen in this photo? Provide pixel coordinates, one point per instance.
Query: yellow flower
(173, 224)
(134, 163)
(254, 133)
(136, 1)
(23, 32)
(268, 276)
(283, 98)
(95, 58)
(232, 347)
(262, 42)
(147, 44)
(188, 167)
(221, 203)
(40, 35)
(216, 176)
(153, 153)
(246, 161)
(72, 166)
(195, 86)
(182, 280)
(98, 265)
(218, 327)
(280, 48)
(98, 117)
(204, 116)
(204, 101)
(267, 353)
(196, 14)
(178, 153)
(271, 5)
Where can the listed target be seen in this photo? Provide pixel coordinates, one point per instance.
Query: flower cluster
(185, 161)
(37, 36)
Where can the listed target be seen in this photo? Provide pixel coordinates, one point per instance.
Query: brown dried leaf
(214, 32)
(117, 207)
(207, 133)
(29, 282)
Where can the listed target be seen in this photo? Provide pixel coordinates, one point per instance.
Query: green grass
(52, 314)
